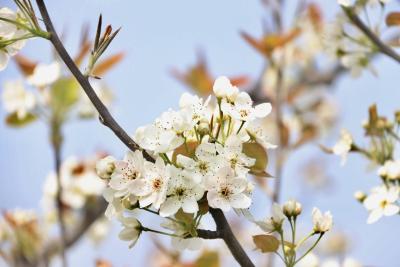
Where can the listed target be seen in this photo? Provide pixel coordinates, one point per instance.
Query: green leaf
(257, 152)
(266, 243)
(64, 94)
(13, 120)
(208, 259)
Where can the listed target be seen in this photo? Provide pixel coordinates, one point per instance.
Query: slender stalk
(105, 117)
(381, 46)
(310, 249)
(56, 141)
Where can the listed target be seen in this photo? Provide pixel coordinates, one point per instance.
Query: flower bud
(292, 208)
(322, 222)
(105, 167)
(360, 196)
(397, 116)
(203, 128)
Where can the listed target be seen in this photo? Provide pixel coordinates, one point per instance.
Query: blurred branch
(56, 141)
(385, 49)
(105, 117)
(93, 211)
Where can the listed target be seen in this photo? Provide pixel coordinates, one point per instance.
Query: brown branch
(385, 49)
(224, 232)
(105, 117)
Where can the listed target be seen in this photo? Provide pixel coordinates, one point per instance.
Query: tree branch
(225, 232)
(385, 49)
(105, 117)
(207, 234)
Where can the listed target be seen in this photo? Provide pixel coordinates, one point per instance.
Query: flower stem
(145, 229)
(310, 249)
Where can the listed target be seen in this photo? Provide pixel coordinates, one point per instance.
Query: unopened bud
(105, 167)
(397, 116)
(292, 208)
(360, 196)
(203, 128)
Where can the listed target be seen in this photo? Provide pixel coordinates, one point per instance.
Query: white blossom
(127, 172)
(131, 231)
(292, 208)
(195, 107)
(181, 243)
(232, 153)
(224, 89)
(343, 146)
(45, 74)
(16, 99)
(182, 192)
(152, 188)
(275, 221)
(322, 222)
(226, 191)
(390, 170)
(382, 202)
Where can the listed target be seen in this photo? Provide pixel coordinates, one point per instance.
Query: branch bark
(224, 232)
(384, 48)
(105, 117)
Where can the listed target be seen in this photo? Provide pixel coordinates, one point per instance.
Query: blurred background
(157, 36)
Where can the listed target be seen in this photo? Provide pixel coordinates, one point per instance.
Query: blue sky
(158, 35)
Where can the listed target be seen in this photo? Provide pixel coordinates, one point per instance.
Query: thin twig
(56, 141)
(105, 117)
(385, 49)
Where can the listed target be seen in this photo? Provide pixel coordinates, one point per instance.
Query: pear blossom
(224, 89)
(16, 99)
(115, 205)
(322, 222)
(196, 107)
(390, 170)
(127, 172)
(131, 231)
(105, 167)
(257, 133)
(226, 191)
(241, 108)
(232, 153)
(206, 162)
(343, 146)
(182, 192)
(152, 188)
(45, 74)
(382, 202)
(182, 243)
(345, 3)
(9, 31)
(275, 221)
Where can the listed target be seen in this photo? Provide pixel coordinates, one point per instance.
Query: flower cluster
(12, 37)
(383, 199)
(203, 154)
(322, 223)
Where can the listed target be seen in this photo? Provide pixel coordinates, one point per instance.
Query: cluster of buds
(322, 223)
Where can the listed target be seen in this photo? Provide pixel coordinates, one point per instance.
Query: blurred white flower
(226, 191)
(343, 146)
(99, 230)
(131, 231)
(390, 170)
(45, 74)
(181, 243)
(85, 106)
(16, 99)
(382, 202)
(275, 221)
(310, 260)
(322, 222)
